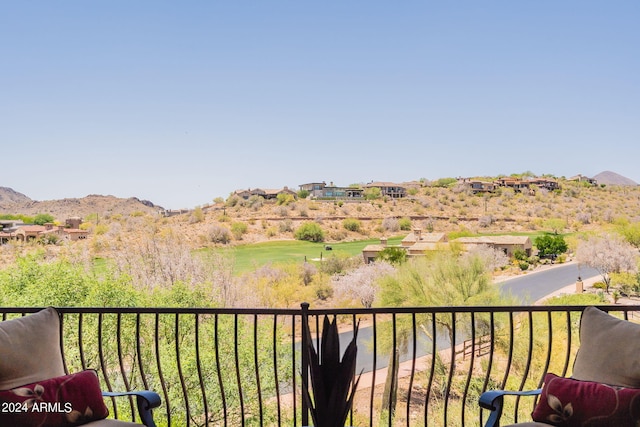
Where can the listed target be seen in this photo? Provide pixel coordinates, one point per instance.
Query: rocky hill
(612, 178)
(9, 196)
(13, 202)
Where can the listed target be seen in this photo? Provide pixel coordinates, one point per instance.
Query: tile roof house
(417, 243)
(31, 232)
(507, 244)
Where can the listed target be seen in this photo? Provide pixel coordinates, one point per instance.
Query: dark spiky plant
(331, 378)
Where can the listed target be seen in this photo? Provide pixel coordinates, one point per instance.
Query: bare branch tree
(361, 283)
(608, 254)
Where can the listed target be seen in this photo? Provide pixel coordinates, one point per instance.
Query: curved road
(528, 288)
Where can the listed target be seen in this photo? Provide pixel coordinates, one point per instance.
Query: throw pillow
(64, 401)
(30, 349)
(567, 402)
(609, 349)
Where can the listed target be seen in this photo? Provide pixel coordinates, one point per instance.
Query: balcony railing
(242, 367)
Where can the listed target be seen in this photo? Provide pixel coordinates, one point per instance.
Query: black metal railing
(422, 366)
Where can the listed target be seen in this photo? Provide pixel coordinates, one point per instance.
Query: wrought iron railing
(242, 367)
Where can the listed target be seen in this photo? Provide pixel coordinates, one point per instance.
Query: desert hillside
(577, 206)
(13, 202)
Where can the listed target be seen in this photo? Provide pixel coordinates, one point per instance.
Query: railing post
(305, 360)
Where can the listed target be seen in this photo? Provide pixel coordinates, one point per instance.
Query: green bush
(405, 224)
(238, 229)
(352, 224)
(310, 231)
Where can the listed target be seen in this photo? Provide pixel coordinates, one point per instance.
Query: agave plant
(331, 378)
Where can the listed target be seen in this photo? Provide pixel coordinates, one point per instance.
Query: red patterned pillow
(69, 400)
(571, 403)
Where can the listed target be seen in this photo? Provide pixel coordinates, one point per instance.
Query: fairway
(249, 257)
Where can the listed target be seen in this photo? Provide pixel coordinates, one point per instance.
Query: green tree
(555, 224)
(392, 255)
(551, 245)
(631, 233)
(441, 279)
(372, 193)
(42, 219)
(310, 231)
(303, 194)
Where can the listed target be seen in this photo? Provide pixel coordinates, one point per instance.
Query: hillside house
(17, 230)
(477, 186)
(266, 194)
(582, 178)
(547, 184)
(417, 243)
(320, 190)
(371, 252)
(389, 189)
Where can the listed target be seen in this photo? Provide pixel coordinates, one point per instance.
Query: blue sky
(182, 102)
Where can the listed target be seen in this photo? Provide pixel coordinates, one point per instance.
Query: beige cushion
(609, 350)
(30, 349)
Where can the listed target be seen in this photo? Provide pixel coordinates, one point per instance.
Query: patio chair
(604, 389)
(36, 391)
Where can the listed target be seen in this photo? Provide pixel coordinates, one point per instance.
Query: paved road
(528, 288)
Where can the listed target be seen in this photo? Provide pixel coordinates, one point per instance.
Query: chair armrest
(146, 400)
(493, 400)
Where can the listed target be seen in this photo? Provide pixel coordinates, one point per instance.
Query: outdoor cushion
(572, 403)
(30, 353)
(609, 349)
(63, 401)
(30, 349)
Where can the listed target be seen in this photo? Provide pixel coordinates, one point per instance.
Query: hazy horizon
(182, 103)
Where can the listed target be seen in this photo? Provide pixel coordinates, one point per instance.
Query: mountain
(612, 178)
(9, 195)
(12, 202)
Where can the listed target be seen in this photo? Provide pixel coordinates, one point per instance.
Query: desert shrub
(485, 221)
(524, 265)
(255, 202)
(285, 226)
(271, 232)
(520, 255)
(390, 224)
(352, 224)
(238, 229)
(583, 217)
(405, 224)
(599, 285)
(284, 199)
(310, 231)
(197, 215)
(219, 234)
(338, 264)
(232, 201)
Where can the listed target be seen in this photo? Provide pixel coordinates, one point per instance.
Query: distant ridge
(9, 195)
(612, 178)
(13, 202)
